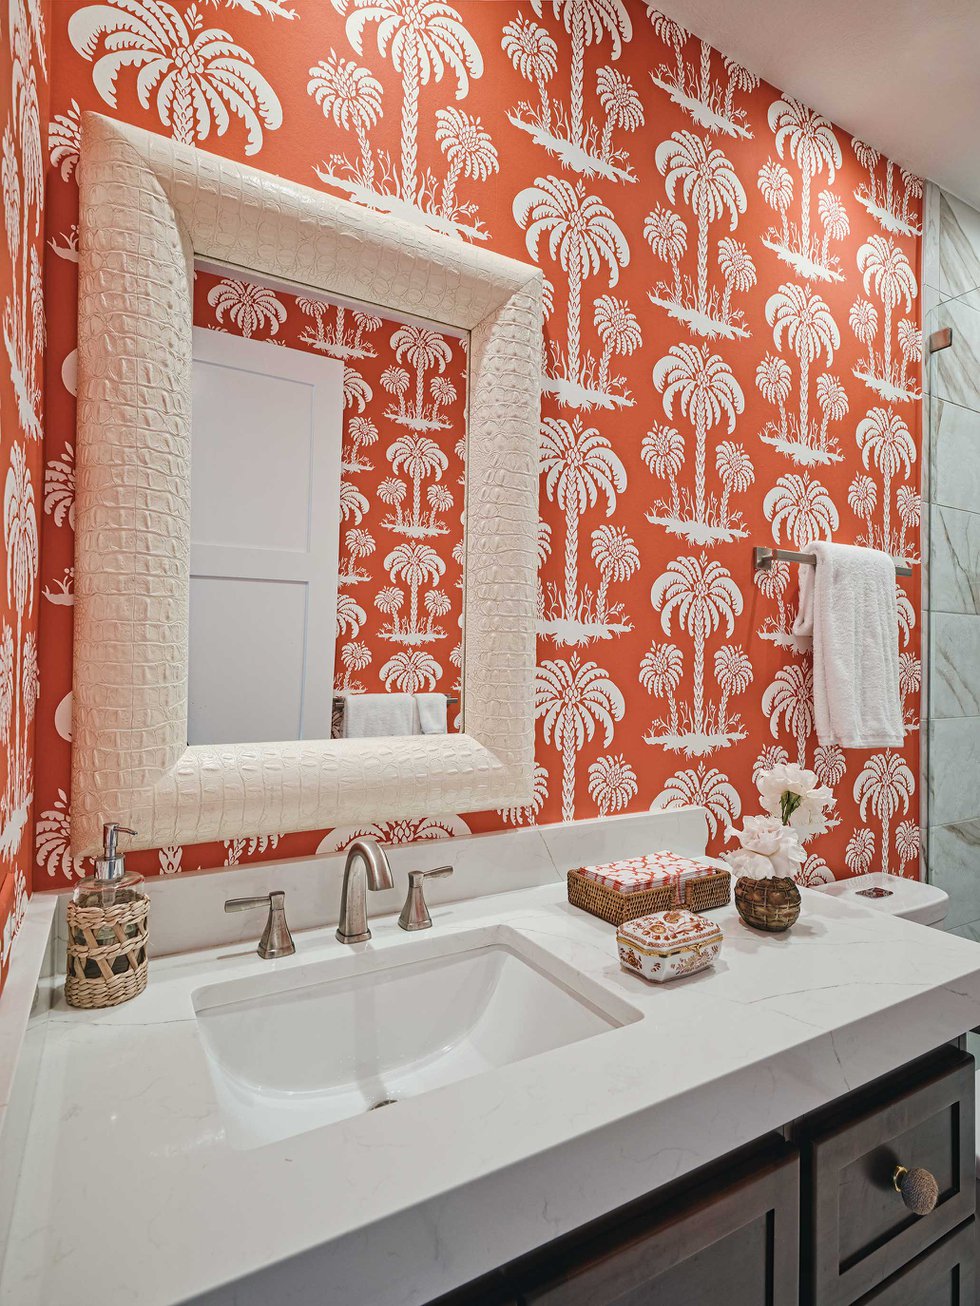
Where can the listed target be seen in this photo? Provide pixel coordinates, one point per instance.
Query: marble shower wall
(951, 293)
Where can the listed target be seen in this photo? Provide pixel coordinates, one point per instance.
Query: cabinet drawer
(860, 1231)
(723, 1245)
(945, 1275)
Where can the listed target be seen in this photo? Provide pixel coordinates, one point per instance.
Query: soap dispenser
(107, 929)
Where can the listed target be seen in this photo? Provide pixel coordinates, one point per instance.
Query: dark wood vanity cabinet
(809, 1218)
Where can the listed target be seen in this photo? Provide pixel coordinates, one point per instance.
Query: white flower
(768, 838)
(749, 866)
(796, 797)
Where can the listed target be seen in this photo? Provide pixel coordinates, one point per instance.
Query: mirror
(328, 443)
(131, 759)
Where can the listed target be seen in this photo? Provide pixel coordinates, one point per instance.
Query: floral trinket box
(668, 944)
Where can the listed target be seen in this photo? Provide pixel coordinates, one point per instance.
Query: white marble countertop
(131, 1194)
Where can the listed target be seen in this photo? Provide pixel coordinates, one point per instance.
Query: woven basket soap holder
(106, 953)
(107, 926)
(636, 886)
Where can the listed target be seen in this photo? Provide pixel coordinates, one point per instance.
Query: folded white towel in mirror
(369, 716)
(849, 610)
(432, 713)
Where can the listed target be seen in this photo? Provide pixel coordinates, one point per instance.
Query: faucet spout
(366, 868)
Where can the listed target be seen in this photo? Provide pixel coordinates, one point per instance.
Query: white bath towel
(369, 716)
(848, 608)
(432, 713)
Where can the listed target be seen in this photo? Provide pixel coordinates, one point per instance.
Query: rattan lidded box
(636, 886)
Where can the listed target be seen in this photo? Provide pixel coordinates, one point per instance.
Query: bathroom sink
(310, 1046)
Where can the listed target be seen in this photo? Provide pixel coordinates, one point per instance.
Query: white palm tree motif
(357, 392)
(773, 582)
(534, 53)
(392, 492)
(52, 841)
(788, 701)
(21, 541)
(909, 504)
(248, 305)
(617, 557)
(884, 787)
(361, 433)
(801, 506)
(834, 220)
(416, 565)
(59, 487)
(733, 672)
(863, 320)
(618, 330)
(739, 79)
(811, 142)
(706, 391)
(705, 787)
(829, 764)
(355, 657)
(860, 851)
(703, 597)
(662, 449)
(586, 22)
(737, 268)
(661, 668)
(888, 274)
(673, 34)
(909, 684)
(710, 187)
(666, 233)
(774, 379)
(582, 237)
(833, 402)
(424, 349)
(612, 783)
(418, 457)
(65, 139)
(884, 439)
(862, 498)
(776, 184)
(579, 467)
(810, 331)
(907, 844)
(351, 97)
(359, 544)
(735, 471)
(621, 105)
(350, 616)
(411, 672)
(910, 343)
(425, 38)
(469, 149)
(389, 600)
(200, 75)
(572, 698)
(353, 504)
(440, 499)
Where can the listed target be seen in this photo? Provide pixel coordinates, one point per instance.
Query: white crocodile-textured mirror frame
(148, 206)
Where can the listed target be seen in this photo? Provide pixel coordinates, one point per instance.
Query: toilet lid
(913, 900)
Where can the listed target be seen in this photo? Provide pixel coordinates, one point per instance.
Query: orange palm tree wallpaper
(731, 357)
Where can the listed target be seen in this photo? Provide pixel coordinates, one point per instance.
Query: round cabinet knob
(918, 1188)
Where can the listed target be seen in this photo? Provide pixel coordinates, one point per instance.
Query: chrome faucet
(366, 868)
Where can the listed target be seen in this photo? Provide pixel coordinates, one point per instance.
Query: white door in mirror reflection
(265, 508)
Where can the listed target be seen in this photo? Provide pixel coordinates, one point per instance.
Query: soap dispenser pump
(107, 930)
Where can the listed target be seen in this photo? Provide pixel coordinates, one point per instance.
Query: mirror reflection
(327, 494)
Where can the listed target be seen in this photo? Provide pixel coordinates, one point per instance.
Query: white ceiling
(904, 75)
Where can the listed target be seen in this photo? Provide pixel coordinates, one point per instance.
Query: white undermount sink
(309, 1046)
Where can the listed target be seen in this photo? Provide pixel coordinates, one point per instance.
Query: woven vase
(771, 904)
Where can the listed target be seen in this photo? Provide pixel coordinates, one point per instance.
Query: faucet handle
(276, 940)
(415, 914)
